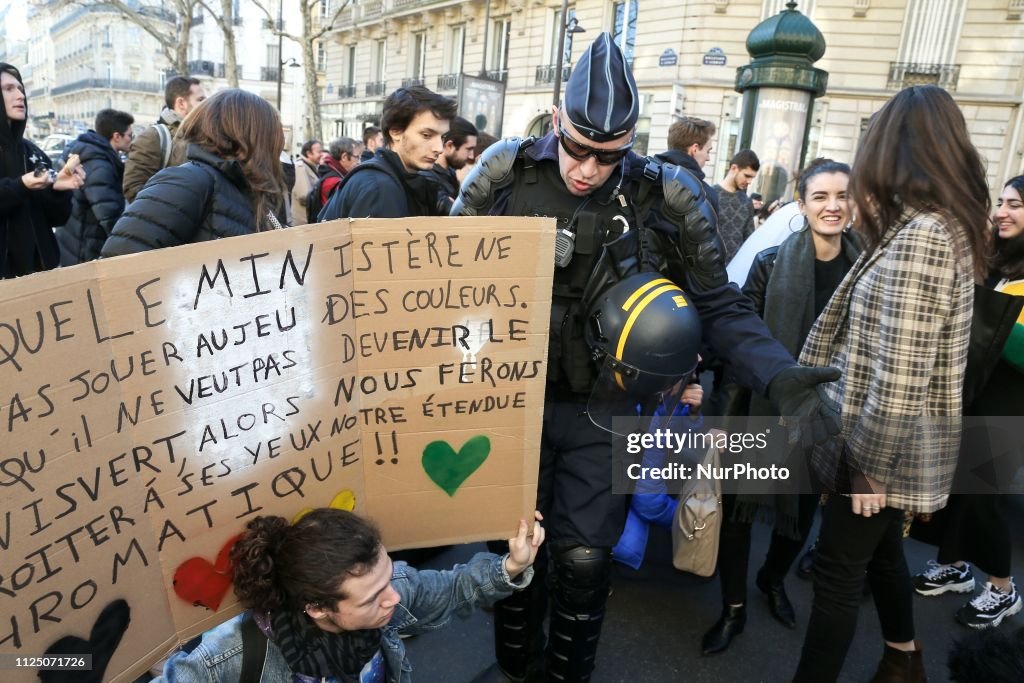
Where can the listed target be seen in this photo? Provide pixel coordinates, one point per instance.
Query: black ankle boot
(778, 602)
(728, 626)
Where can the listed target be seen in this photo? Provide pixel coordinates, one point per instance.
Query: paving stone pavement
(657, 615)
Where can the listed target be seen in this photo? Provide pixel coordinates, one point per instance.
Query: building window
(380, 65)
(772, 7)
(351, 65)
(321, 56)
(501, 32)
(325, 10)
(456, 49)
(930, 31)
(625, 36)
(556, 26)
(419, 55)
(928, 45)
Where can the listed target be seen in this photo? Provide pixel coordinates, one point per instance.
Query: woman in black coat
(231, 185)
(32, 200)
(789, 286)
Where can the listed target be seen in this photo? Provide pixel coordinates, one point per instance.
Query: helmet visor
(624, 398)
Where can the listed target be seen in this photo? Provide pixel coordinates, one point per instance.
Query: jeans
(849, 546)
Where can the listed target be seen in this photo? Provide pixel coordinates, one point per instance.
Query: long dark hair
(917, 154)
(239, 125)
(1008, 259)
(282, 566)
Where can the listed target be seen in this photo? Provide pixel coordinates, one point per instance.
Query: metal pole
(487, 27)
(561, 52)
(280, 44)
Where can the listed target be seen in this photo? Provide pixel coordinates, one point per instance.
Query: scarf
(789, 316)
(1009, 257)
(311, 651)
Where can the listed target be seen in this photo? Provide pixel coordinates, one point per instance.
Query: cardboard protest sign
(151, 405)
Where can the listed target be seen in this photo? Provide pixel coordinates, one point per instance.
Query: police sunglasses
(581, 152)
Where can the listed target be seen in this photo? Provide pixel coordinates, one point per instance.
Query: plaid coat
(898, 327)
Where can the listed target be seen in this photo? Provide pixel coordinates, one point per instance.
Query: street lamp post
(569, 27)
(280, 76)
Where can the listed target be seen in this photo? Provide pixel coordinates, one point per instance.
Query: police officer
(618, 214)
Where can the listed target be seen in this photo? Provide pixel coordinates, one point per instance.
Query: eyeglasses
(581, 152)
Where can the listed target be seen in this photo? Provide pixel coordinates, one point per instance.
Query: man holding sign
(618, 214)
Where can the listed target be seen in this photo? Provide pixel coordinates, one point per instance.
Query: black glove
(794, 391)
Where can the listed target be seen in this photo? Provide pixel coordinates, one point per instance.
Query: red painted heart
(204, 584)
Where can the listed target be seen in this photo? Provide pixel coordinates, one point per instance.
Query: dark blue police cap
(601, 100)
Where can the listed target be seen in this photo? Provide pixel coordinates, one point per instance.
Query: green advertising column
(779, 87)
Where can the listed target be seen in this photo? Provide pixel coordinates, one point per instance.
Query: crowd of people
(859, 328)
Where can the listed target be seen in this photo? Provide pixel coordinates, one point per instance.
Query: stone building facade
(685, 54)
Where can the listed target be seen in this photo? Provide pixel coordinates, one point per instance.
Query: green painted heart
(449, 469)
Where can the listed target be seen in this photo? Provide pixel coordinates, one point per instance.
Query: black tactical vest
(595, 222)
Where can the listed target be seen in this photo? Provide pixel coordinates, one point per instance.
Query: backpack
(313, 204)
(164, 134)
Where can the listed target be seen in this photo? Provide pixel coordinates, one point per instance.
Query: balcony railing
(202, 68)
(409, 82)
(346, 91)
(222, 70)
(497, 74)
(269, 73)
(106, 84)
(906, 74)
(448, 82)
(375, 89)
(546, 73)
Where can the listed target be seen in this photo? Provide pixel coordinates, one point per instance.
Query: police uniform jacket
(730, 326)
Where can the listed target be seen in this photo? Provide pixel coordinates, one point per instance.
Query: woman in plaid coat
(898, 328)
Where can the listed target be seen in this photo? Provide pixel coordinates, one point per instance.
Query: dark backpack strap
(255, 646)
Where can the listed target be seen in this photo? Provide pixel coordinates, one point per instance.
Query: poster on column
(153, 404)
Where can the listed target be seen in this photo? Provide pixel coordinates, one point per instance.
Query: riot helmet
(645, 335)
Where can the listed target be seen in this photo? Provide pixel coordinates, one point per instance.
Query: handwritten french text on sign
(153, 404)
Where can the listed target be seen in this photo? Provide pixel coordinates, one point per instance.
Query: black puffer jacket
(97, 205)
(27, 218)
(204, 199)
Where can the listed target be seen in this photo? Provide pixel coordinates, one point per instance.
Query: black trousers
(574, 493)
(734, 548)
(849, 546)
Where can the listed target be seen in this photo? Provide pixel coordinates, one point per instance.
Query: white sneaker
(944, 578)
(990, 607)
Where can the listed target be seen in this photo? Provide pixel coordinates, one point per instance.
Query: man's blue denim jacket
(429, 599)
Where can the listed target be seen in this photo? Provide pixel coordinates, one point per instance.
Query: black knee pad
(582, 576)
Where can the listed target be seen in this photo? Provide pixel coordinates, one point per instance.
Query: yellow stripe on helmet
(643, 289)
(635, 313)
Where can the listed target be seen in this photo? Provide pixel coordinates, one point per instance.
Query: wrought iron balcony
(202, 68)
(375, 89)
(906, 74)
(546, 73)
(409, 82)
(497, 74)
(269, 73)
(106, 84)
(448, 82)
(346, 91)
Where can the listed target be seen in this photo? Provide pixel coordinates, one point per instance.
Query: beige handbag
(698, 522)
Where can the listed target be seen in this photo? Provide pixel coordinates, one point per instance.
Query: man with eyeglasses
(617, 213)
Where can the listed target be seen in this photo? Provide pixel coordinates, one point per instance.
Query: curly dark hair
(278, 565)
